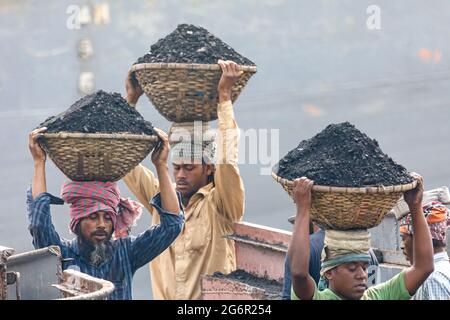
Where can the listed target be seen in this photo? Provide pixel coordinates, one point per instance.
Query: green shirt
(394, 289)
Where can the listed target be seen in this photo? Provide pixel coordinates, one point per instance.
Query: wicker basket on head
(342, 208)
(184, 92)
(97, 156)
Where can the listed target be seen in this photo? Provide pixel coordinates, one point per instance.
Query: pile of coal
(192, 44)
(272, 288)
(342, 156)
(100, 112)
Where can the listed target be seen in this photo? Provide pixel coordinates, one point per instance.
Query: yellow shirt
(201, 248)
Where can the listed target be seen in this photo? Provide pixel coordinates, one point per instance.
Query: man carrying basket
(345, 256)
(213, 196)
(101, 220)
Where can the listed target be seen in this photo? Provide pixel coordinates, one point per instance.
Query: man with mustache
(345, 256)
(101, 221)
(213, 196)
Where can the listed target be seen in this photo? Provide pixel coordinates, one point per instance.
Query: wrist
(224, 96)
(39, 163)
(162, 166)
(132, 100)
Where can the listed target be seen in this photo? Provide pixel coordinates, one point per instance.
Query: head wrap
(87, 197)
(192, 142)
(343, 247)
(437, 216)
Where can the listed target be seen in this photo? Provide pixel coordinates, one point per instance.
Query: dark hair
(438, 243)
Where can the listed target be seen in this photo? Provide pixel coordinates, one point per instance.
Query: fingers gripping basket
(342, 208)
(186, 92)
(97, 156)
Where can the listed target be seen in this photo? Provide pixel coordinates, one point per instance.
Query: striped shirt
(437, 286)
(129, 254)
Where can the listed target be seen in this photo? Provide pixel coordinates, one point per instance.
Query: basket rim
(188, 66)
(365, 190)
(127, 136)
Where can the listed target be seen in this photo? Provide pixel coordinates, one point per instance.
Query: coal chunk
(99, 112)
(342, 156)
(192, 44)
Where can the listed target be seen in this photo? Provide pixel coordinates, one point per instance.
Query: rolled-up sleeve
(149, 244)
(40, 221)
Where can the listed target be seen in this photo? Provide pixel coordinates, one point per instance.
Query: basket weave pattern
(96, 156)
(341, 208)
(186, 92)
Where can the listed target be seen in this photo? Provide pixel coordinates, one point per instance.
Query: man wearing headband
(437, 286)
(213, 195)
(101, 221)
(346, 256)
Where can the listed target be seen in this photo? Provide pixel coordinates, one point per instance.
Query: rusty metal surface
(38, 270)
(4, 254)
(80, 286)
(214, 288)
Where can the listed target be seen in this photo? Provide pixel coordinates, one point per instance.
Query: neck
(439, 250)
(185, 200)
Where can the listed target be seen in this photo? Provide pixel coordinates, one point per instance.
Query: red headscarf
(437, 216)
(87, 197)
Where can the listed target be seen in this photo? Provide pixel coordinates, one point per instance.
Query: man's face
(97, 227)
(189, 178)
(407, 247)
(349, 280)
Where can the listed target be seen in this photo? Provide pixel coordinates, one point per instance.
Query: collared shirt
(393, 289)
(129, 254)
(437, 285)
(201, 249)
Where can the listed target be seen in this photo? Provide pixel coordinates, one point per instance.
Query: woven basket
(97, 156)
(342, 208)
(186, 92)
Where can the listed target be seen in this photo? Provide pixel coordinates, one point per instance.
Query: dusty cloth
(193, 142)
(344, 246)
(87, 197)
(201, 248)
(441, 195)
(437, 216)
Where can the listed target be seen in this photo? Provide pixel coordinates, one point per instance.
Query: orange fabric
(437, 214)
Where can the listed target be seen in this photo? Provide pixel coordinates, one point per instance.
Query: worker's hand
(414, 197)
(302, 193)
(134, 90)
(160, 155)
(230, 74)
(36, 151)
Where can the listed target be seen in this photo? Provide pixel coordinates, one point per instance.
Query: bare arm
(38, 184)
(133, 90)
(298, 252)
(423, 264)
(160, 155)
(229, 189)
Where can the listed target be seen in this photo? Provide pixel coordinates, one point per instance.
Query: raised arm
(141, 181)
(38, 200)
(160, 157)
(38, 184)
(229, 188)
(298, 252)
(423, 264)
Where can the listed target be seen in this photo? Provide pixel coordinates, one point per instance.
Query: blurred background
(381, 65)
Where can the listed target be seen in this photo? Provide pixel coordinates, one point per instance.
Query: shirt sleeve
(149, 244)
(229, 193)
(286, 295)
(143, 184)
(432, 289)
(394, 289)
(40, 222)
